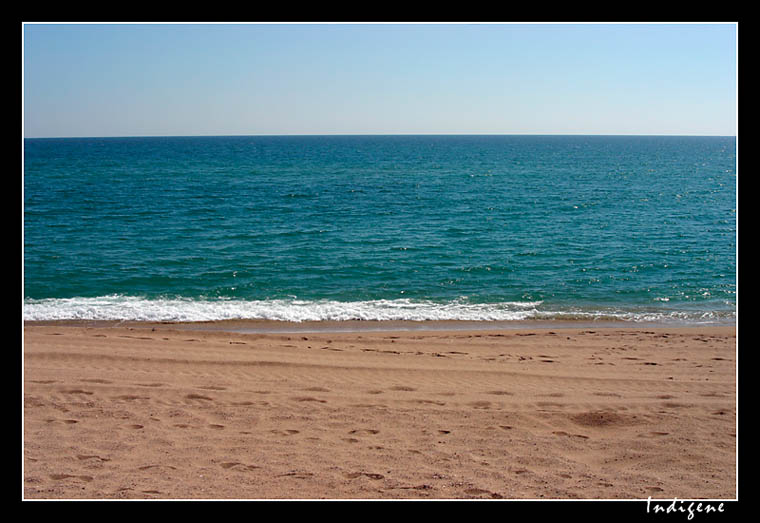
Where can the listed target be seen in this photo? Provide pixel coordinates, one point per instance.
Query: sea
(496, 228)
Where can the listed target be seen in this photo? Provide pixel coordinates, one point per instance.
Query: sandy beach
(167, 411)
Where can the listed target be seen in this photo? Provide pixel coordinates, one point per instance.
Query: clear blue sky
(247, 79)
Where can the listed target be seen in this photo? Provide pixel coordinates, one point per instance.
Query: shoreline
(253, 326)
(173, 411)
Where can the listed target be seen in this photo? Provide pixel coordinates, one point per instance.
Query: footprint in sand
(77, 391)
(194, 396)
(354, 475)
(59, 477)
(148, 467)
(712, 395)
(238, 466)
(297, 475)
(82, 457)
(284, 432)
(308, 398)
(482, 492)
(403, 388)
(598, 419)
(563, 433)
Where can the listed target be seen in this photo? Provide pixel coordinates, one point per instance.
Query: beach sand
(171, 411)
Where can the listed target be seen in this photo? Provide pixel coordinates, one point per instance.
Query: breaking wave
(130, 308)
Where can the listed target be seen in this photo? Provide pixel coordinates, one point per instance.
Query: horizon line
(375, 134)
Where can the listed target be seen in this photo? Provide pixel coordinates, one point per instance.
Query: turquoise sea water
(381, 227)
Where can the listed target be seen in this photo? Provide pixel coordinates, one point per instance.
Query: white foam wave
(128, 308)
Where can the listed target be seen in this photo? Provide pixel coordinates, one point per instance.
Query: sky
(87, 80)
